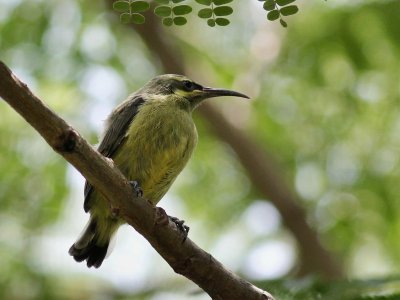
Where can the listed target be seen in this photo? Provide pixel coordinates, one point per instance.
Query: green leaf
(139, 6)
(283, 23)
(273, 15)
(125, 18)
(180, 10)
(138, 18)
(223, 11)
(163, 11)
(289, 10)
(205, 13)
(221, 2)
(177, 1)
(204, 2)
(168, 21)
(180, 21)
(121, 6)
(269, 5)
(284, 2)
(162, 1)
(211, 22)
(222, 21)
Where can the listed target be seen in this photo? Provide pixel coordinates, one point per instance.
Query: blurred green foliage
(310, 288)
(326, 105)
(336, 109)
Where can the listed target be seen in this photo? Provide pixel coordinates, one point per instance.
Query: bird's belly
(161, 173)
(156, 166)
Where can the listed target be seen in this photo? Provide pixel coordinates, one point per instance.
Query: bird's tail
(93, 244)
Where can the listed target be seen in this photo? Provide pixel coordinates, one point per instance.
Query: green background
(325, 94)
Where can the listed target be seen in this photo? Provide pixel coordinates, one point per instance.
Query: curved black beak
(212, 92)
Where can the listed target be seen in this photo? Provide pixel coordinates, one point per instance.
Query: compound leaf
(284, 2)
(180, 10)
(121, 6)
(222, 21)
(168, 21)
(223, 11)
(139, 6)
(289, 10)
(137, 18)
(273, 15)
(269, 5)
(125, 18)
(163, 11)
(205, 13)
(204, 2)
(180, 21)
(221, 2)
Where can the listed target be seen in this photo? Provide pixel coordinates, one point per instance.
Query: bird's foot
(136, 188)
(184, 229)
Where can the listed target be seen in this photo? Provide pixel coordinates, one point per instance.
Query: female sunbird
(150, 136)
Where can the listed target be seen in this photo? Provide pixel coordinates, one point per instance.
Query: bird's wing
(115, 135)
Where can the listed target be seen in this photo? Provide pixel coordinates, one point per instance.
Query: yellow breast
(159, 143)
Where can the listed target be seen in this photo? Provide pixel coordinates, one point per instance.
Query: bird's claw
(136, 187)
(184, 229)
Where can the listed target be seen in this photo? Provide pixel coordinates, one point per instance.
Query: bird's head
(185, 89)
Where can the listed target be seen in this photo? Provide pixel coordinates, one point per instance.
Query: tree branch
(185, 258)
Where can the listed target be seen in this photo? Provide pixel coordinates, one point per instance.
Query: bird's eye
(190, 86)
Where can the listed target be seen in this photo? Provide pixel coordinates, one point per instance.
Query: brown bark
(152, 222)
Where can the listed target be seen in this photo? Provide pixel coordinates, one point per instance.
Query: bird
(150, 137)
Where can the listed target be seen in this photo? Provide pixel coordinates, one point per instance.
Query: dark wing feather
(115, 134)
